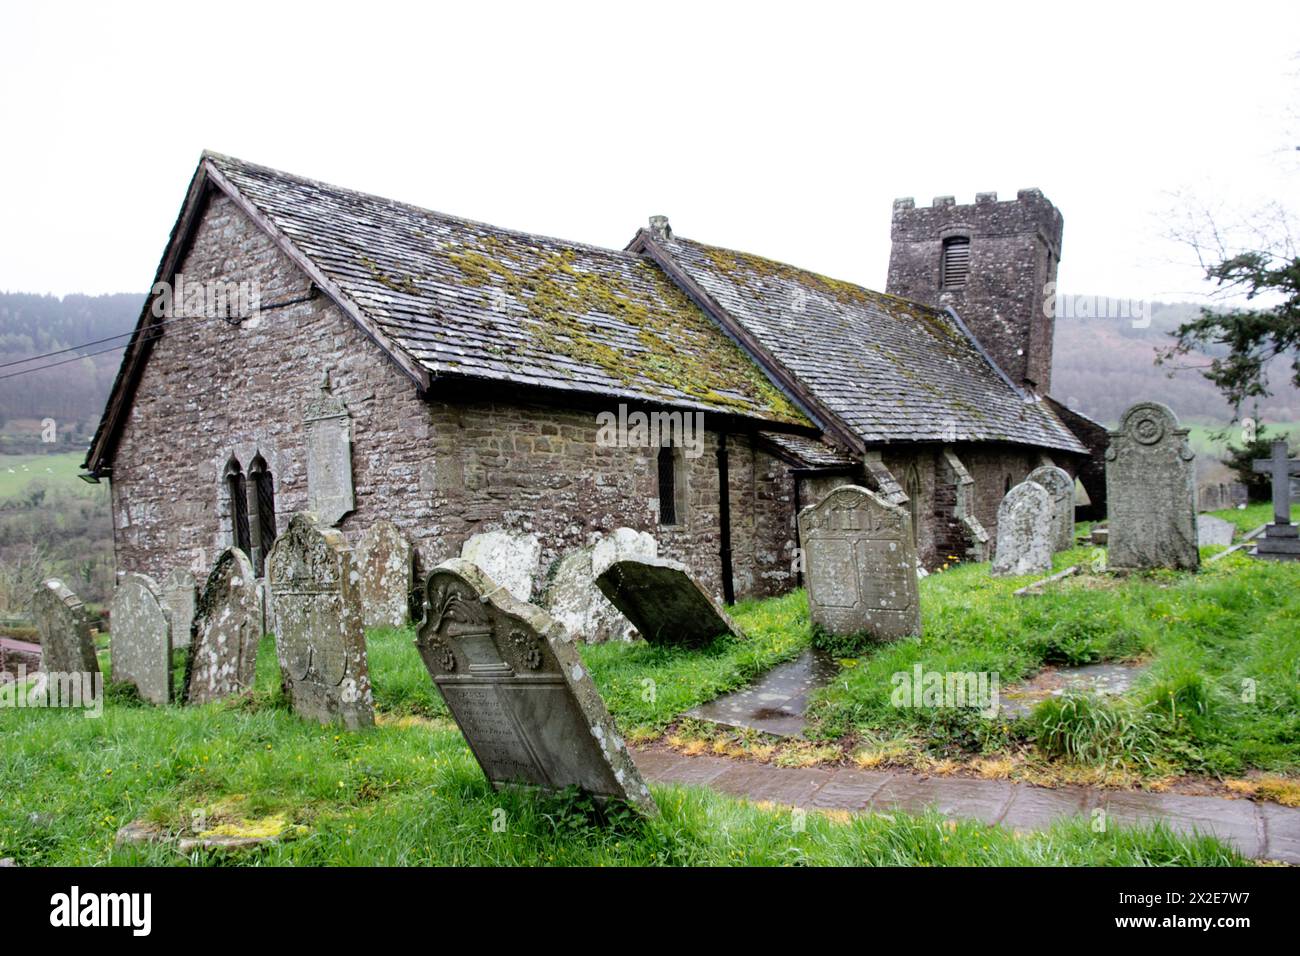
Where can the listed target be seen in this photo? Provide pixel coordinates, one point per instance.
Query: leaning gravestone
(67, 649)
(383, 559)
(519, 692)
(227, 629)
(1214, 532)
(507, 557)
(664, 602)
(860, 564)
(1026, 531)
(180, 595)
(141, 638)
(1151, 491)
(319, 638)
(573, 598)
(1060, 486)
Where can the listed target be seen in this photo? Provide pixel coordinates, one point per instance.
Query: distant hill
(1101, 366)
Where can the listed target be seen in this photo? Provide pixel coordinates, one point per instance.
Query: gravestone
(507, 557)
(68, 659)
(384, 562)
(1026, 531)
(1060, 486)
(573, 598)
(860, 565)
(517, 688)
(141, 638)
(227, 629)
(180, 595)
(329, 456)
(664, 603)
(1151, 491)
(319, 638)
(1280, 541)
(1213, 532)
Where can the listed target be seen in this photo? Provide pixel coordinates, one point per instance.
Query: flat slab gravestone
(66, 645)
(180, 597)
(319, 638)
(384, 560)
(328, 427)
(507, 557)
(141, 638)
(573, 598)
(1060, 486)
(1281, 540)
(1212, 531)
(664, 603)
(227, 630)
(519, 692)
(860, 565)
(1151, 491)
(1026, 532)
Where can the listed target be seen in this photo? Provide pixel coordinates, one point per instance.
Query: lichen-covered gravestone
(180, 597)
(517, 688)
(227, 629)
(664, 602)
(1060, 486)
(573, 598)
(68, 661)
(1026, 530)
(1151, 491)
(507, 557)
(328, 427)
(319, 638)
(384, 561)
(141, 638)
(860, 565)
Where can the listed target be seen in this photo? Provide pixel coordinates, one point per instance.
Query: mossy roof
(465, 298)
(890, 369)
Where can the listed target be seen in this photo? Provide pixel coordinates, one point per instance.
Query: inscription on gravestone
(1026, 530)
(519, 692)
(141, 638)
(69, 668)
(1060, 487)
(861, 565)
(227, 629)
(1151, 491)
(319, 638)
(329, 456)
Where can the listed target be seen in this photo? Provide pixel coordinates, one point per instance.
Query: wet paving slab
(775, 703)
(1105, 679)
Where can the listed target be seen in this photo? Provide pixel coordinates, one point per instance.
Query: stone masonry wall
(440, 471)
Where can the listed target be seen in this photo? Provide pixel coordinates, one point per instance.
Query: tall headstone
(519, 691)
(860, 565)
(141, 638)
(1280, 541)
(1151, 491)
(509, 558)
(329, 456)
(319, 638)
(1026, 531)
(384, 560)
(1060, 486)
(180, 596)
(69, 667)
(664, 602)
(573, 598)
(227, 629)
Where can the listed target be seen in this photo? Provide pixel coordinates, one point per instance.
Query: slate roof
(890, 369)
(808, 452)
(467, 299)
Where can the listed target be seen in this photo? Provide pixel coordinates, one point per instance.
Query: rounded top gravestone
(227, 629)
(141, 638)
(1060, 486)
(1026, 525)
(67, 648)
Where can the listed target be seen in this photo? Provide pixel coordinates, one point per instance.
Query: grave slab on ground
(776, 702)
(1107, 679)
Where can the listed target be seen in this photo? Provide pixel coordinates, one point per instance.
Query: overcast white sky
(783, 129)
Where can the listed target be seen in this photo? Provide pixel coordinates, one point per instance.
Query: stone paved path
(1258, 830)
(774, 703)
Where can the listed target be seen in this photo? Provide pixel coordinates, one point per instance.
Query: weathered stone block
(664, 603)
(1026, 531)
(141, 644)
(385, 563)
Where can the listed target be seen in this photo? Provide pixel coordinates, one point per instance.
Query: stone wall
(440, 471)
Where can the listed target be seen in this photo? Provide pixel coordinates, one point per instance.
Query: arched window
(668, 510)
(912, 488)
(263, 525)
(237, 490)
(956, 262)
(1006, 485)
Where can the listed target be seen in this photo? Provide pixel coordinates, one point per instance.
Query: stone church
(451, 376)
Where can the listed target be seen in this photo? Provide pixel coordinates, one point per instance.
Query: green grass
(1252, 516)
(56, 471)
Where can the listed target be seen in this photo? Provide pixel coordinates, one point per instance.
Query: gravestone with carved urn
(319, 637)
(520, 693)
(860, 561)
(1281, 538)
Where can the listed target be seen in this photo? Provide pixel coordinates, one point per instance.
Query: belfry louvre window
(956, 261)
(667, 486)
(237, 487)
